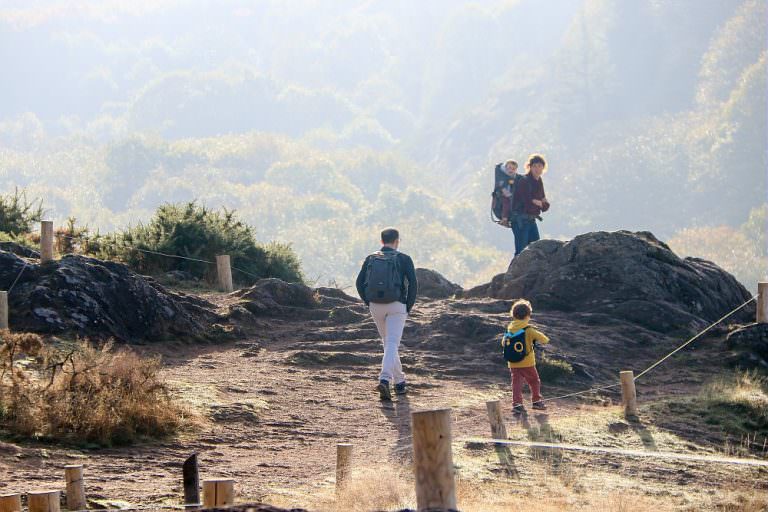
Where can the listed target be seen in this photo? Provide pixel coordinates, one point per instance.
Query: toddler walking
(519, 351)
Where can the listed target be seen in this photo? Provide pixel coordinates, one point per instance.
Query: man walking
(381, 284)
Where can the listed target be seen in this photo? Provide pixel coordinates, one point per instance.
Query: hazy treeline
(319, 122)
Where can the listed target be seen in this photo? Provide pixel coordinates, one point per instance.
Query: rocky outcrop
(433, 285)
(629, 276)
(18, 250)
(98, 299)
(750, 346)
(601, 292)
(273, 298)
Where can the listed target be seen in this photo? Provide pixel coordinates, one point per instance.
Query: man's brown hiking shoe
(385, 395)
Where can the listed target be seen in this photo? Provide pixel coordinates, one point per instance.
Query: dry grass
(83, 394)
(745, 389)
(544, 481)
(740, 502)
(389, 489)
(368, 489)
(385, 488)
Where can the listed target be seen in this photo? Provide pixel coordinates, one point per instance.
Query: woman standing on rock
(529, 202)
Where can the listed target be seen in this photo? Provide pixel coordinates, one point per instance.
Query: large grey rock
(18, 250)
(434, 286)
(273, 297)
(98, 299)
(631, 276)
(750, 345)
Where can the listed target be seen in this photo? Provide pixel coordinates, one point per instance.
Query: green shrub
(24, 239)
(17, 214)
(553, 370)
(195, 232)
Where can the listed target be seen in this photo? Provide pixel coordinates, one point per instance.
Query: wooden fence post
(224, 268)
(75, 488)
(628, 393)
(498, 430)
(10, 503)
(433, 459)
(762, 303)
(3, 311)
(218, 493)
(44, 501)
(191, 482)
(343, 465)
(46, 241)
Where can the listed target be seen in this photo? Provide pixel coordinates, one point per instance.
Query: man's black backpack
(514, 345)
(384, 282)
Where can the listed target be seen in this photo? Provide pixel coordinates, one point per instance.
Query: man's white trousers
(390, 321)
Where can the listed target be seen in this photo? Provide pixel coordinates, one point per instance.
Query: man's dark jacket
(407, 272)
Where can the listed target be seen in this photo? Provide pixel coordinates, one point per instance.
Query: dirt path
(269, 410)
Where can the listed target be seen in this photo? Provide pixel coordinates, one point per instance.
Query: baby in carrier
(504, 181)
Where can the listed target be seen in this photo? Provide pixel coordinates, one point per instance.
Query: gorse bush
(82, 395)
(18, 214)
(553, 370)
(193, 231)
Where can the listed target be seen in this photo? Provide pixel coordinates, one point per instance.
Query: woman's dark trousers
(525, 231)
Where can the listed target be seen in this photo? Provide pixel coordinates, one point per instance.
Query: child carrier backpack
(514, 345)
(384, 282)
(500, 180)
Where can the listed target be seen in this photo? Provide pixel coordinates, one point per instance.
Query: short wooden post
(10, 502)
(46, 241)
(218, 493)
(628, 394)
(343, 465)
(191, 482)
(762, 303)
(433, 459)
(75, 488)
(3, 311)
(44, 501)
(224, 269)
(498, 430)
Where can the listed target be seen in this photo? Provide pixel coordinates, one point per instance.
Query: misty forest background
(321, 122)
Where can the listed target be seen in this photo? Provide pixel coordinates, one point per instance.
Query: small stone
(618, 427)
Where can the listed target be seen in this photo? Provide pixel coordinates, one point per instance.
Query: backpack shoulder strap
(396, 257)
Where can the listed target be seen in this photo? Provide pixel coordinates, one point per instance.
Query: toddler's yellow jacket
(531, 335)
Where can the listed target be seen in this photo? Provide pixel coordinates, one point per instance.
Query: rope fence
(697, 336)
(157, 253)
(18, 276)
(48, 240)
(621, 451)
